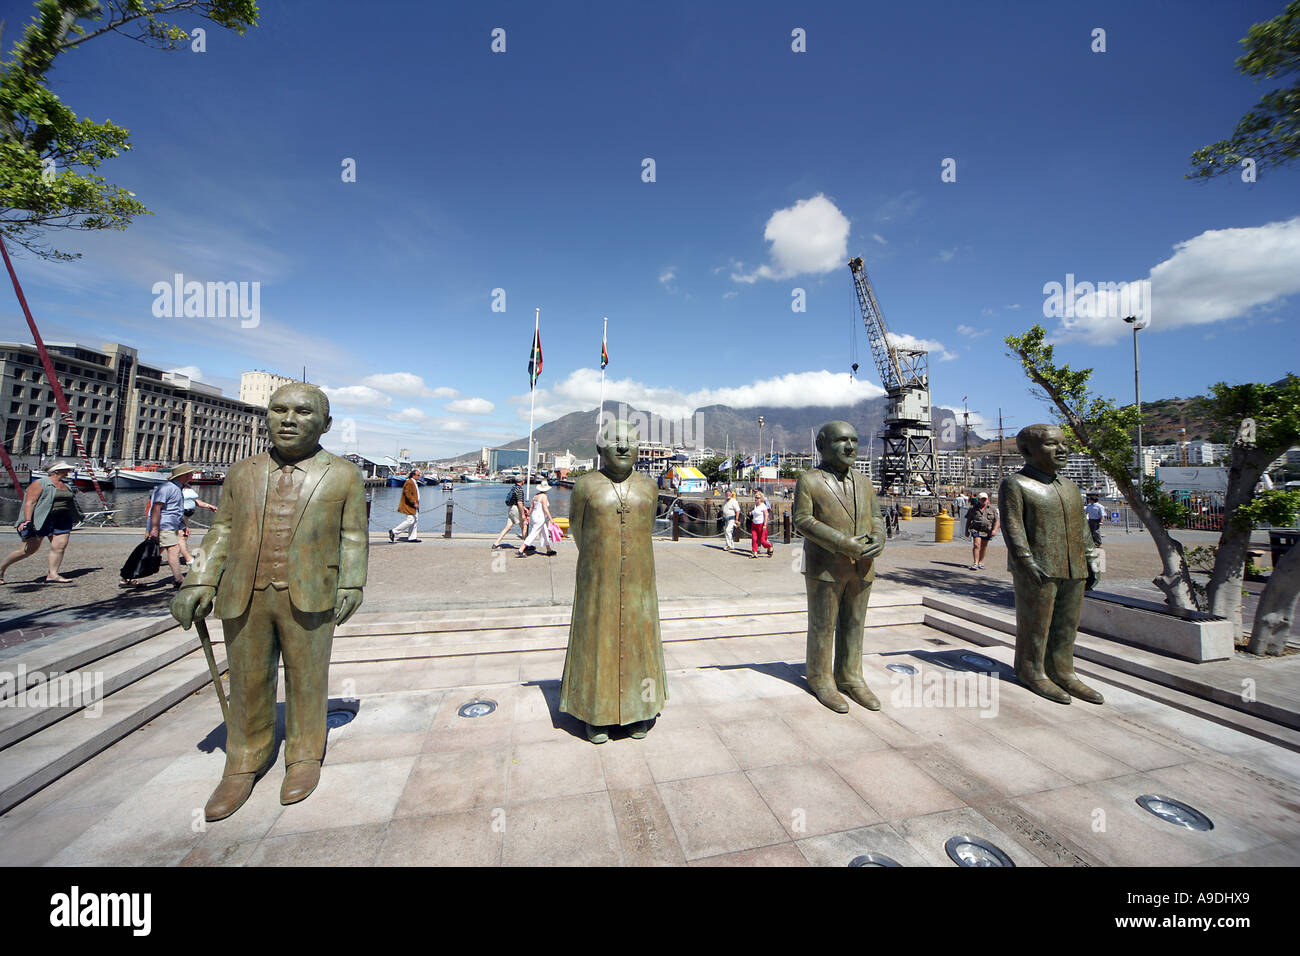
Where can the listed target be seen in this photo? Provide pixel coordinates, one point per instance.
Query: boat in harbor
(82, 479)
(139, 478)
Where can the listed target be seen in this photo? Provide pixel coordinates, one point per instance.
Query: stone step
(962, 621)
(42, 758)
(77, 650)
(54, 699)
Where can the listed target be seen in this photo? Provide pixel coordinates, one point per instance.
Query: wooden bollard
(446, 533)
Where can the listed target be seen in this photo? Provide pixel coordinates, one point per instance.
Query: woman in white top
(540, 520)
(730, 515)
(758, 524)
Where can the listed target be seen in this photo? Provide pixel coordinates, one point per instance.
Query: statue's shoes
(299, 781)
(638, 729)
(831, 698)
(1077, 688)
(862, 694)
(597, 735)
(1045, 688)
(229, 796)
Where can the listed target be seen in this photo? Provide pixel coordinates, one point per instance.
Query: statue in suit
(836, 511)
(1052, 561)
(283, 563)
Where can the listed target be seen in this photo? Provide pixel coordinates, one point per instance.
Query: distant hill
(717, 426)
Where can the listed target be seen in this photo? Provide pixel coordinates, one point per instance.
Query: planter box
(1190, 635)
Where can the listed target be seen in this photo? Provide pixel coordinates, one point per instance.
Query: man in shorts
(167, 518)
(516, 514)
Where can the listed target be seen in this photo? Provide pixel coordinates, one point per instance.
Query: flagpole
(532, 404)
(603, 337)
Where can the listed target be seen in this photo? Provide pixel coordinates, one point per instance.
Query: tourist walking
(49, 511)
(516, 514)
(1096, 514)
(409, 506)
(730, 515)
(758, 522)
(167, 519)
(192, 504)
(540, 521)
(981, 525)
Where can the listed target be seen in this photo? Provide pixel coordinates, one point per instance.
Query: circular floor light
(975, 660)
(1175, 812)
(874, 859)
(901, 668)
(972, 851)
(477, 708)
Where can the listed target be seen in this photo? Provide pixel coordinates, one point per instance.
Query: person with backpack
(981, 525)
(516, 514)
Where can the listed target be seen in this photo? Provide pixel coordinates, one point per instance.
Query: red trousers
(758, 537)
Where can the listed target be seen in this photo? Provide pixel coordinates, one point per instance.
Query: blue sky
(523, 171)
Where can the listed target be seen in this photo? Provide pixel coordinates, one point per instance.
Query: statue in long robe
(614, 671)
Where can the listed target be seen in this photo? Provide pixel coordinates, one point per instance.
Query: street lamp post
(1137, 391)
(758, 456)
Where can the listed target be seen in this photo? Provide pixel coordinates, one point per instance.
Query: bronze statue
(614, 669)
(836, 511)
(285, 561)
(1052, 562)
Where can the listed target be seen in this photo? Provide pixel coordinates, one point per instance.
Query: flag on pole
(604, 354)
(535, 359)
(725, 466)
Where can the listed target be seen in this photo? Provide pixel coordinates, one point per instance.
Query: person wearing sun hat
(539, 521)
(49, 511)
(167, 518)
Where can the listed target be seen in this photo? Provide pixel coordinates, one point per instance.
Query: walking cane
(201, 626)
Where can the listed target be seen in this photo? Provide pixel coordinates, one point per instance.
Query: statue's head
(296, 416)
(1043, 447)
(617, 447)
(837, 443)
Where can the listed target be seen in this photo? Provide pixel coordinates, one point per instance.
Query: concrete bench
(1190, 635)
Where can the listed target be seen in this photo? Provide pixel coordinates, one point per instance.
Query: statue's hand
(1036, 574)
(346, 604)
(191, 603)
(870, 548)
(1092, 580)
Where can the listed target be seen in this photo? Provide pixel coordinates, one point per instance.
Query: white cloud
(408, 415)
(581, 391)
(971, 332)
(730, 294)
(879, 238)
(192, 372)
(1219, 275)
(355, 395)
(451, 425)
(945, 255)
(977, 421)
(900, 208)
(904, 341)
(810, 237)
(470, 406)
(668, 275)
(407, 383)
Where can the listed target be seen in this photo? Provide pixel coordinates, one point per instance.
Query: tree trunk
(1277, 606)
(1174, 580)
(1224, 590)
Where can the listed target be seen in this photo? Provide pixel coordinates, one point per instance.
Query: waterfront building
(499, 459)
(257, 387)
(126, 411)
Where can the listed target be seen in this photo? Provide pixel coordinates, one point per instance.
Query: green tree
(1269, 134)
(709, 468)
(48, 155)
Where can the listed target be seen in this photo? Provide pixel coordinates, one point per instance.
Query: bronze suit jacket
(328, 550)
(1043, 520)
(826, 517)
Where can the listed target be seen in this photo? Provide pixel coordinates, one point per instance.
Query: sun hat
(984, 494)
(183, 469)
(544, 486)
(61, 466)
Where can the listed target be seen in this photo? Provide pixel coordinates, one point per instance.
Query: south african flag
(535, 359)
